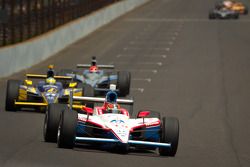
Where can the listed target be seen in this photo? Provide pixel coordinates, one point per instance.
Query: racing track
(182, 64)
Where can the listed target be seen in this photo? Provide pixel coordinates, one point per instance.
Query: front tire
(12, 94)
(169, 134)
(67, 129)
(51, 121)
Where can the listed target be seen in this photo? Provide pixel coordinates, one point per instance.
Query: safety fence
(23, 19)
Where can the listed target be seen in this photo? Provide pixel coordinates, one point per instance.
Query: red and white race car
(110, 126)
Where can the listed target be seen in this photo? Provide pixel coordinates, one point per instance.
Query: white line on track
(130, 55)
(143, 70)
(142, 79)
(142, 63)
(138, 89)
(162, 42)
(170, 43)
(140, 48)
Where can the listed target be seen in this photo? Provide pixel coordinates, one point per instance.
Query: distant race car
(223, 13)
(100, 79)
(110, 126)
(26, 94)
(235, 6)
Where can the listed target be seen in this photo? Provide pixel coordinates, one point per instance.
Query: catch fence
(23, 19)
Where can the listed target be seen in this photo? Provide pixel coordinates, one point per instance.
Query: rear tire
(169, 134)
(123, 83)
(236, 16)
(12, 94)
(246, 11)
(67, 129)
(51, 121)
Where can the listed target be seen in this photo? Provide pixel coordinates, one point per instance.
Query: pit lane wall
(18, 57)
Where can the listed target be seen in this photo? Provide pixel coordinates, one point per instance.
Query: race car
(100, 79)
(235, 6)
(111, 127)
(223, 13)
(239, 7)
(26, 94)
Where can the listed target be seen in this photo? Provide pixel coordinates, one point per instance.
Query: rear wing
(101, 99)
(99, 66)
(128, 102)
(40, 76)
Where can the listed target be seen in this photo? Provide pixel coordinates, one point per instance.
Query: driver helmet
(111, 97)
(93, 69)
(50, 81)
(110, 104)
(50, 72)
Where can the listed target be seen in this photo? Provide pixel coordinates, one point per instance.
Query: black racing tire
(236, 16)
(153, 114)
(245, 11)
(67, 129)
(51, 121)
(88, 91)
(109, 74)
(169, 134)
(12, 94)
(123, 83)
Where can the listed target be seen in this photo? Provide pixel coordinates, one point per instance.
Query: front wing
(130, 142)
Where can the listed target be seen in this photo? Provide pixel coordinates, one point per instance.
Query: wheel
(67, 129)
(88, 91)
(123, 83)
(246, 11)
(12, 94)
(235, 16)
(169, 134)
(51, 121)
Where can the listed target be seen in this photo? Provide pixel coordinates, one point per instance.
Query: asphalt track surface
(182, 65)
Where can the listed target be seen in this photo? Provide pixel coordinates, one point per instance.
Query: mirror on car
(143, 114)
(28, 82)
(72, 85)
